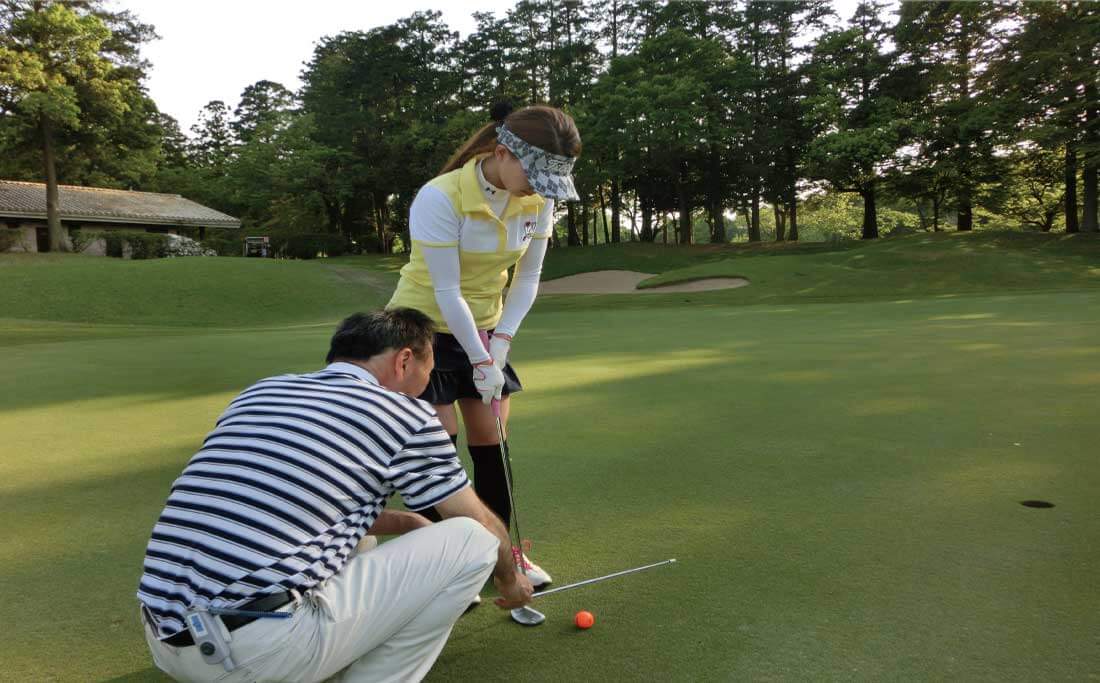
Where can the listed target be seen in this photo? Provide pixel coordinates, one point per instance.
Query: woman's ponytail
(481, 142)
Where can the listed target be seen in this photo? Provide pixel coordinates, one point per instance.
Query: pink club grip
(485, 342)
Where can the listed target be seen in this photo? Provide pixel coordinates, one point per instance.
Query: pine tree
(852, 72)
(71, 82)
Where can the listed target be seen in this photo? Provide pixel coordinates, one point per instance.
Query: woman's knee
(481, 425)
(481, 437)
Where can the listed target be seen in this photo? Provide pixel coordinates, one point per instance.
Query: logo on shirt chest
(528, 230)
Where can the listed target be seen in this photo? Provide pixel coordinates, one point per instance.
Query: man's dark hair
(363, 335)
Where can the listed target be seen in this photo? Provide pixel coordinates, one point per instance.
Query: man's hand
(514, 593)
(489, 381)
(499, 346)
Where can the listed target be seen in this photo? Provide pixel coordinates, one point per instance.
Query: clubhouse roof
(20, 200)
(23, 207)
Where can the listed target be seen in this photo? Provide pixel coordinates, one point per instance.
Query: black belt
(268, 603)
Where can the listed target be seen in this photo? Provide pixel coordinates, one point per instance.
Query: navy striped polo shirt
(281, 492)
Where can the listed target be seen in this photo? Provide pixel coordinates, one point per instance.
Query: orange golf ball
(584, 619)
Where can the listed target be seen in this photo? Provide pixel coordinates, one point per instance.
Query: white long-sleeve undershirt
(524, 288)
(443, 264)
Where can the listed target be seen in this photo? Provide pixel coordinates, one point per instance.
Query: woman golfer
(491, 208)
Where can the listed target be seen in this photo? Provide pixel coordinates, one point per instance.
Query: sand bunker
(626, 282)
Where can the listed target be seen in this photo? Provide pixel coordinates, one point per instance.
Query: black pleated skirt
(453, 376)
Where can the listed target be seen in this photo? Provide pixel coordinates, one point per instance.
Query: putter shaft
(506, 461)
(602, 578)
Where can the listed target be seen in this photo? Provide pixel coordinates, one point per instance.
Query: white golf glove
(489, 381)
(499, 346)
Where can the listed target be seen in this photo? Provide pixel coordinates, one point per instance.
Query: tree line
(690, 112)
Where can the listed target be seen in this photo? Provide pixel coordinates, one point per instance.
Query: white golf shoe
(535, 574)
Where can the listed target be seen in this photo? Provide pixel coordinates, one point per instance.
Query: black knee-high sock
(489, 480)
(431, 512)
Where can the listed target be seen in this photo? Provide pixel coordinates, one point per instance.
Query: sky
(212, 49)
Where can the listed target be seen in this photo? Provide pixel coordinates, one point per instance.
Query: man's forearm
(397, 522)
(506, 564)
(465, 503)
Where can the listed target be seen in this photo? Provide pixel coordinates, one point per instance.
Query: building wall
(26, 241)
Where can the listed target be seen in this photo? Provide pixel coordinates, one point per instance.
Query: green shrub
(148, 245)
(82, 238)
(335, 245)
(309, 246)
(9, 238)
(143, 245)
(114, 241)
(225, 246)
(892, 223)
(366, 243)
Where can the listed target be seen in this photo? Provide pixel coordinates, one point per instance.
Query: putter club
(531, 617)
(525, 615)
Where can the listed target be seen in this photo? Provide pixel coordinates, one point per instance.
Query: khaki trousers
(384, 617)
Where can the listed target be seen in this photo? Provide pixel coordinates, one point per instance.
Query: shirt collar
(352, 369)
(473, 199)
(490, 190)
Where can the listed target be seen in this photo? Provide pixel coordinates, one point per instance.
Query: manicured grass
(840, 480)
(230, 292)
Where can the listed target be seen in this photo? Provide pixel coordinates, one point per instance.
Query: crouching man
(268, 515)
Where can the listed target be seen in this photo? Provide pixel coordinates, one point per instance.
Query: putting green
(839, 481)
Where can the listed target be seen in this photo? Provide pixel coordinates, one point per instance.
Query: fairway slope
(911, 267)
(237, 292)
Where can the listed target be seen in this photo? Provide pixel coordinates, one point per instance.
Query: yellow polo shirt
(452, 212)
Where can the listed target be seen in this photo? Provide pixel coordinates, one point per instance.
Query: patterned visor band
(548, 174)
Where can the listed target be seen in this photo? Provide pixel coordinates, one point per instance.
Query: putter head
(528, 616)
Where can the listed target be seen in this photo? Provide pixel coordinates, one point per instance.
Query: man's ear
(401, 361)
